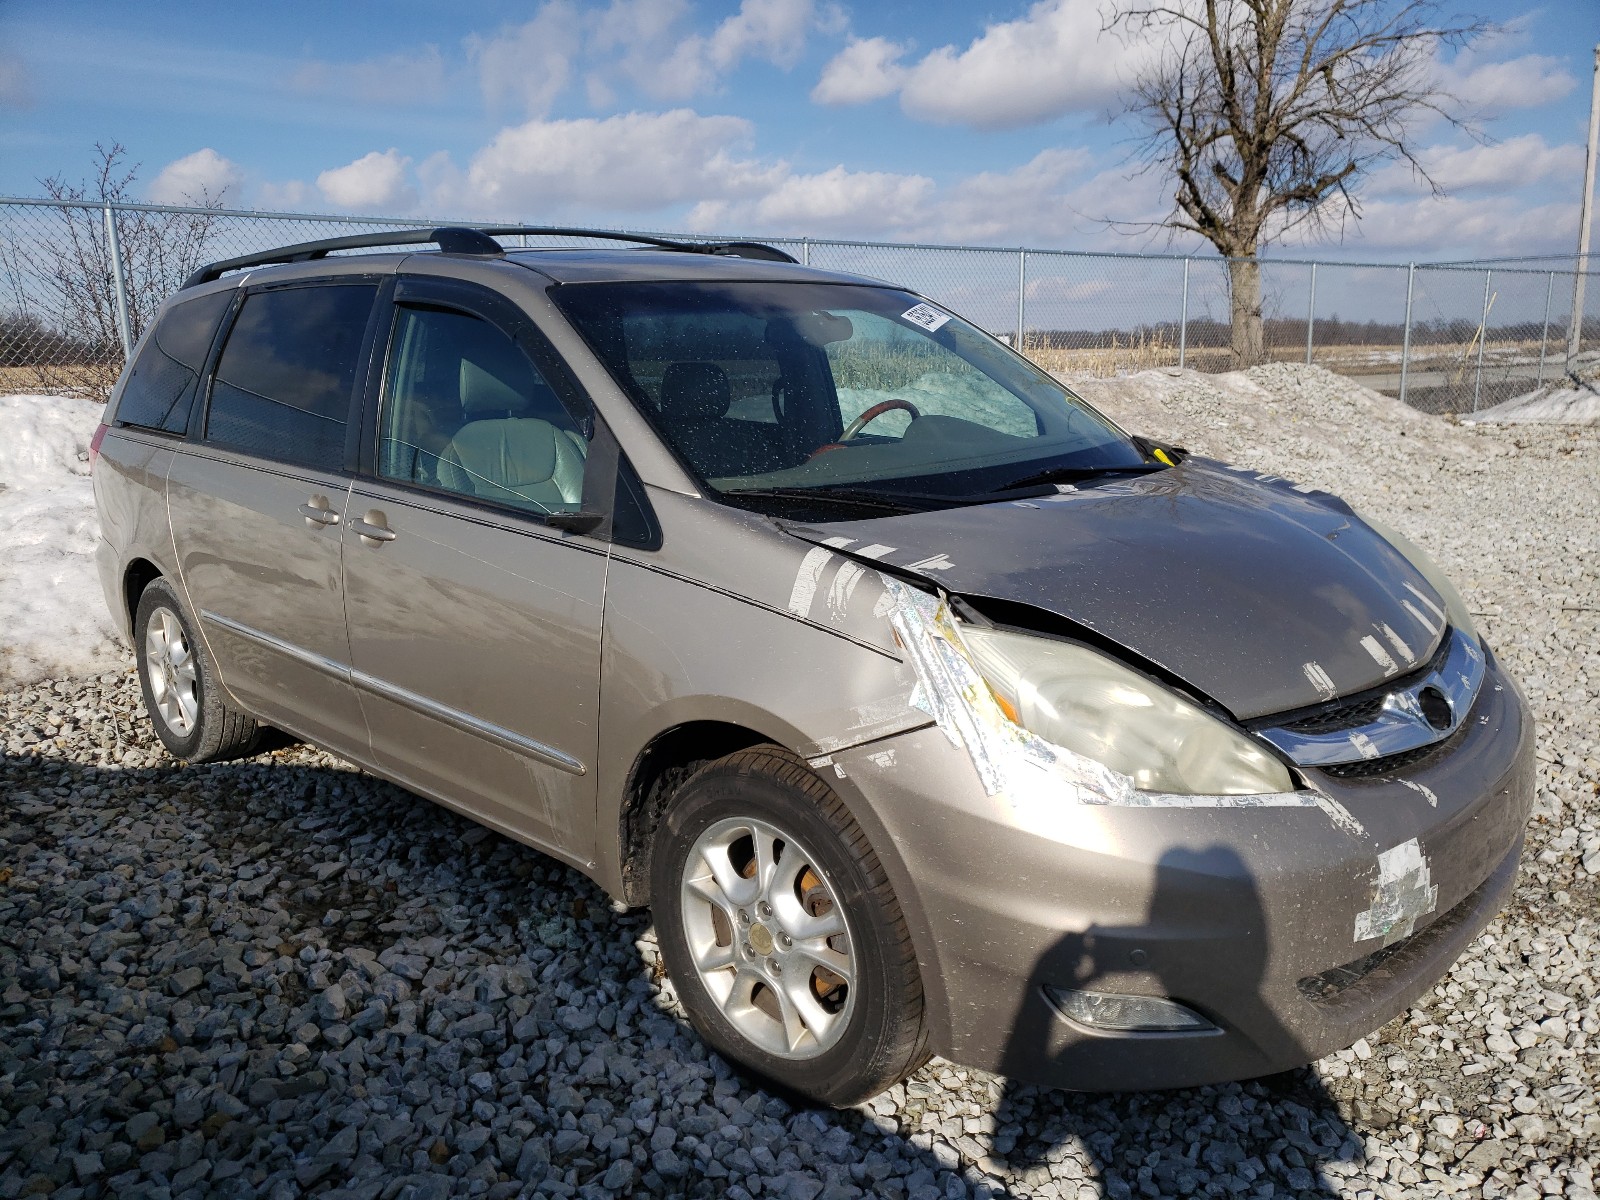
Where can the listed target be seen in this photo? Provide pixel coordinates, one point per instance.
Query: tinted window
(285, 376)
(160, 389)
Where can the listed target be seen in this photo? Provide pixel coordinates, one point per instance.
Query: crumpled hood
(1262, 595)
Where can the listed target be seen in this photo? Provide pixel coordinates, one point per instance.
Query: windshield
(838, 390)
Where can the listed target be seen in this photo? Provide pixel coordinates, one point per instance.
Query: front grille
(1388, 764)
(1359, 708)
(1342, 714)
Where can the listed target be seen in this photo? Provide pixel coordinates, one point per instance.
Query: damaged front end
(997, 693)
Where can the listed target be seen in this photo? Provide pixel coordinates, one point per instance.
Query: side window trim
(475, 300)
(447, 296)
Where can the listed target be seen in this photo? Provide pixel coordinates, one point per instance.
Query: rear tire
(182, 694)
(801, 967)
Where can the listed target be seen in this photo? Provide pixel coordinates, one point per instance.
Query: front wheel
(780, 929)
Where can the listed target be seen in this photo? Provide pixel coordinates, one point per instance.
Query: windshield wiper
(1076, 475)
(855, 498)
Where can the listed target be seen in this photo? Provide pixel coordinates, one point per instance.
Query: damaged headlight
(1455, 607)
(1087, 703)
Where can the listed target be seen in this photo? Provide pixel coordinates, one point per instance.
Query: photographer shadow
(1275, 1133)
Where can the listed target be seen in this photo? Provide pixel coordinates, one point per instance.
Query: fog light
(1127, 1014)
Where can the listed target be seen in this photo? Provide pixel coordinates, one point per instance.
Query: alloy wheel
(768, 937)
(170, 667)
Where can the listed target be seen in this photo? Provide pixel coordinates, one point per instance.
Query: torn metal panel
(1403, 893)
(867, 723)
(1037, 777)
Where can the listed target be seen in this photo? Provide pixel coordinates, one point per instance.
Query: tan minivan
(930, 711)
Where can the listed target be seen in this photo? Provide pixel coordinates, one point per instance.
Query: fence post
(1183, 318)
(1311, 312)
(1022, 294)
(1483, 336)
(1544, 337)
(805, 251)
(118, 283)
(1405, 341)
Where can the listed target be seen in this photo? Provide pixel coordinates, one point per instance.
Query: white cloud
(294, 195)
(656, 55)
(1484, 227)
(374, 182)
(196, 178)
(1502, 166)
(866, 69)
(1528, 81)
(529, 65)
(404, 78)
(1053, 60)
(774, 30)
(629, 163)
(833, 201)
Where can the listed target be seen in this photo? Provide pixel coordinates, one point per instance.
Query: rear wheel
(781, 932)
(179, 682)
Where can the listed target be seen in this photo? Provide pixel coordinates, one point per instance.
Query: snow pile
(53, 618)
(1563, 405)
(1324, 429)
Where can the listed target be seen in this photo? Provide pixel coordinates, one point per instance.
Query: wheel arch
(659, 769)
(139, 574)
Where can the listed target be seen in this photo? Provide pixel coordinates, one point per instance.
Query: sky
(994, 124)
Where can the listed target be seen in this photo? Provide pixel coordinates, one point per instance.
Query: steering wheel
(860, 423)
(873, 413)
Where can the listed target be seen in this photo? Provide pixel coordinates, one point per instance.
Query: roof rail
(476, 240)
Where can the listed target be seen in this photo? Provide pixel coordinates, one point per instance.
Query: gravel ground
(281, 976)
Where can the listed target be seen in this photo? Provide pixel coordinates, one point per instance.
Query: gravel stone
(280, 976)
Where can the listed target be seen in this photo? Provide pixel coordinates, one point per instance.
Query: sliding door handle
(317, 512)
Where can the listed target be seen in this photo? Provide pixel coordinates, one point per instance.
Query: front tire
(778, 925)
(182, 694)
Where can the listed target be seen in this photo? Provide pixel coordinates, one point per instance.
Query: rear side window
(284, 381)
(160, 388)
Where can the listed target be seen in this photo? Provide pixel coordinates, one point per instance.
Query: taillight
(94, 444)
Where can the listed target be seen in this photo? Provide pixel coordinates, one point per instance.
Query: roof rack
(475, 240)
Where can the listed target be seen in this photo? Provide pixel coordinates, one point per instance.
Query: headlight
(1080, 700)
(1455, 607)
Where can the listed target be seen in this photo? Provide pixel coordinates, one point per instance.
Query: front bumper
(1284, 928)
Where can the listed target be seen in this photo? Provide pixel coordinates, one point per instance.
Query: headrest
(695, 391)
(484, 394)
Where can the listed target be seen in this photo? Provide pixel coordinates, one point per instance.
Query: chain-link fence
(78, 282)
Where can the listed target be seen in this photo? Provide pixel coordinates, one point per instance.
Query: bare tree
(73, 297)
(1266, 114)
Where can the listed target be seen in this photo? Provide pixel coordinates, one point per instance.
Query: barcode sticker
(925, 315)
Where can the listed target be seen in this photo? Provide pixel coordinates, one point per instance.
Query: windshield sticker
(925, 315)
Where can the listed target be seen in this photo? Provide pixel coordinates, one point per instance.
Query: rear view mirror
(820, 328)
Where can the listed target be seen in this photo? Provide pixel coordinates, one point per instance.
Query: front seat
(501, 455)
(695, 397)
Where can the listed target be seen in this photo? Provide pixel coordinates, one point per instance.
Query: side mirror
(575, 522)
